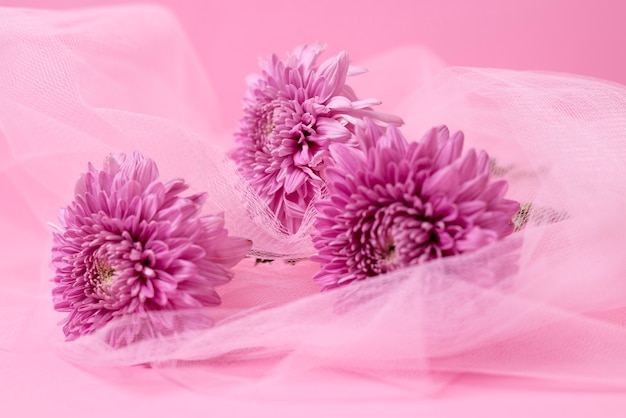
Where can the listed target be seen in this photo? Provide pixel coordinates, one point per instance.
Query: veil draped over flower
(547, 302)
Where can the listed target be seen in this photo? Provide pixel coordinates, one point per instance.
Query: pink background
(583, 37)
(576, 37)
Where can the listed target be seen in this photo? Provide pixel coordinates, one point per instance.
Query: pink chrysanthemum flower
(397, 204)
(130, 244)
(292, 112)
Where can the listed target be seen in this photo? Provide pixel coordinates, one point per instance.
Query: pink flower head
(292, 112)
(396, 204)
(130, 244)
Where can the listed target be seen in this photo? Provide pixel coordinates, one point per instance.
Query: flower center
(100, 272)
(100, 276)
(104, 274)
(390, 255)
(386, 258)
(267, 126)
(289, 128)
(397, 236)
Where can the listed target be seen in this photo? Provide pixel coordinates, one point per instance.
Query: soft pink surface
(64, 391)
(564, 36)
